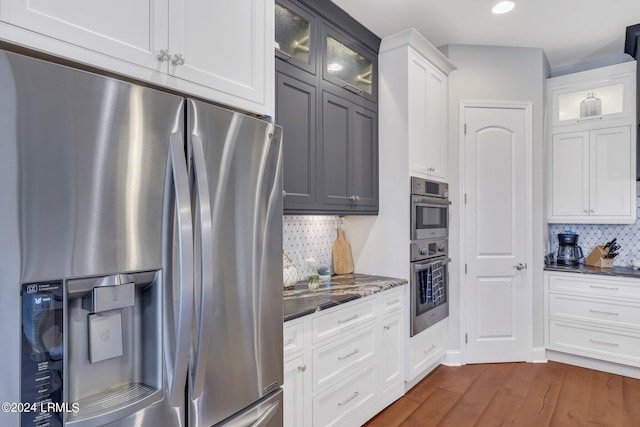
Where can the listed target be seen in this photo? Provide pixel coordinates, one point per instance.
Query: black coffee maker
(569, 253)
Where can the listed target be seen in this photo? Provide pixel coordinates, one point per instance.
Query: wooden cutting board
(341, 254)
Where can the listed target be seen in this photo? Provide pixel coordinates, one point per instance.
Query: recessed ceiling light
(503, 7)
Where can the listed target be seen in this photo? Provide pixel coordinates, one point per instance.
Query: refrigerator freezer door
(266, 413)
(241, 313)
(83, 162)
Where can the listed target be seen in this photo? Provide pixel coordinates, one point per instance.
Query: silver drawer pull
(302, 368)
(610, 344)
(604, 287)
(387, 327)
(433, 346)
(291, 341)
(394, 302)
(356, 394)
(354, 317)
(356, 351)
(604, 312)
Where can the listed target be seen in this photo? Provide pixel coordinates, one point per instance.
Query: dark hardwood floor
(516, 394)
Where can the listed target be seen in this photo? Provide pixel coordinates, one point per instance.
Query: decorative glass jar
(591, 106)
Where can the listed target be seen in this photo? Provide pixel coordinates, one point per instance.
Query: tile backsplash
(309, 237)
(628, 236)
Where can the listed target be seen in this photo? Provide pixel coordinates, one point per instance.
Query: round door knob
(163, 55)
(178, 59)
(520, 266)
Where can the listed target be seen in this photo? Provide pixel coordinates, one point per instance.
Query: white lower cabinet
(426, 349)
(340, 403)
(355, 363)
(593, 316)
(296, 409)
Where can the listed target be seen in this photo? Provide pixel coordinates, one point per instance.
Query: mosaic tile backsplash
(628, 236)
(309, 237)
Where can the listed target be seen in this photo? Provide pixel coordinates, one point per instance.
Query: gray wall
(492, 73)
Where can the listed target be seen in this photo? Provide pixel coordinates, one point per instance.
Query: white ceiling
(569, 31)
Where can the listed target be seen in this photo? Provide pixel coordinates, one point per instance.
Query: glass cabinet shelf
(610, 98)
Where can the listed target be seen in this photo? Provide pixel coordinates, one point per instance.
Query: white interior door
(498, 284)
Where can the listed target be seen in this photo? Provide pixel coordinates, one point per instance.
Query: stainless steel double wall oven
(429, 253)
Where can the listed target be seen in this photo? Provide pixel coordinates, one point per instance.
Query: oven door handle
(423, 265)
(422, 200)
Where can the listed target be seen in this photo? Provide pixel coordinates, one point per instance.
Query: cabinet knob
(302, 368)
(163, 55)
(586, 210)
(178, 59)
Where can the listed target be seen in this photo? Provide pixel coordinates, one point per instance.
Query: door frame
(527, 107)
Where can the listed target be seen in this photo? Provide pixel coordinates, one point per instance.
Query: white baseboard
(598, 365)
(452, 358)
(539, 355)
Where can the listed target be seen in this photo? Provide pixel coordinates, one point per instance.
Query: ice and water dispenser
(91, 348)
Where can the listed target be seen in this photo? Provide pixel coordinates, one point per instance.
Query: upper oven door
(429, 218)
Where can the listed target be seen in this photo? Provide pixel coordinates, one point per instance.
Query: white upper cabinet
(428, 100)
(414, 91)
(217, 50)
(592, 96)
(591, 147)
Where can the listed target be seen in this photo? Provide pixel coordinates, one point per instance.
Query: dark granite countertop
(587, 269)
(300, 301)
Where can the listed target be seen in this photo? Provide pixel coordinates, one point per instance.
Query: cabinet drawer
(424, 351)
(601, 343)
(337, 360)
(333, 324)
(611, 313)
(392, 300)
(331, 407)
(293, 338)
(588, 284)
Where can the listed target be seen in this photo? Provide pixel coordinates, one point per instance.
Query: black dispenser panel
(42, 354)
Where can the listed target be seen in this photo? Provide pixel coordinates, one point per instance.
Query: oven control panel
(425, 249)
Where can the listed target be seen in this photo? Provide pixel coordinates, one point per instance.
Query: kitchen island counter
(300, 301)
(619, 271)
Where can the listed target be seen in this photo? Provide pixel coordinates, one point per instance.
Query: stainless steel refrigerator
(140, 266)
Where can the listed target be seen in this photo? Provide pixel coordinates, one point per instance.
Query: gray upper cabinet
(326, 102)
(296, 112)
(349, 64)
(349, 155)
(296, 35)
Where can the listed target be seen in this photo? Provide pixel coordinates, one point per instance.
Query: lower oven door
(429, 293)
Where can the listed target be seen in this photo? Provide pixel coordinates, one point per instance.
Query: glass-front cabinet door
(349, 64)
(608, 96)
(295, 35)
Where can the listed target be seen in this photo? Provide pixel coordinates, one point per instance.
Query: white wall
(492, 73)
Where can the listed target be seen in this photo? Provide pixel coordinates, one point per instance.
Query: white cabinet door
(391, 352)
(612, 169)
(570, 174)
(427, 119)
(592, 176)
(436, 137)
(296, 406)
(131, 31)
(226, 45)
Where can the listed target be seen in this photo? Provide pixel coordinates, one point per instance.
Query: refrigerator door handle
(203, 328)
(267, 415)
(179, 367)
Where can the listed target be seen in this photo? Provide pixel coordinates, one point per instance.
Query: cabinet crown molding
(415, 40)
